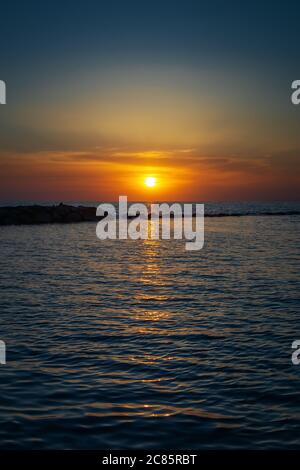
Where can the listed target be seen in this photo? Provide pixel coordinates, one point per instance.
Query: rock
(62, 213)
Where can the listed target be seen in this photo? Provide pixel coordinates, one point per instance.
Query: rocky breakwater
(37, 214)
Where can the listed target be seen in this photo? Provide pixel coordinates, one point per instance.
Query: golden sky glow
(99, 98)
(182, 174)
(201, 141)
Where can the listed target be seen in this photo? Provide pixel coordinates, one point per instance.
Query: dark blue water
(141, 344)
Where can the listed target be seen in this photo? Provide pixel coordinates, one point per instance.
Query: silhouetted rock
(63, 213)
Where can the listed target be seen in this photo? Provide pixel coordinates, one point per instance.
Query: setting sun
(150, 181)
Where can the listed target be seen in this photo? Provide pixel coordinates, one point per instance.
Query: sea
(140, 344)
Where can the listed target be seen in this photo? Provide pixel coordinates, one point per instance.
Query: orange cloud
(182, 174)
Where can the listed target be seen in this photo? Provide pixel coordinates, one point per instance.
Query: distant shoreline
(64, 213)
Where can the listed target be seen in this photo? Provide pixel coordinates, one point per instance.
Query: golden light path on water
(143, 337)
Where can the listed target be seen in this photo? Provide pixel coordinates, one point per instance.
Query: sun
(150, 181)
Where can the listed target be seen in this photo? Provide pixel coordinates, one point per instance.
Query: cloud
(104, 171)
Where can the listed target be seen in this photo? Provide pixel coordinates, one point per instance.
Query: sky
(101, 95)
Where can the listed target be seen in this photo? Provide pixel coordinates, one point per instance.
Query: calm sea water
(141, 344)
